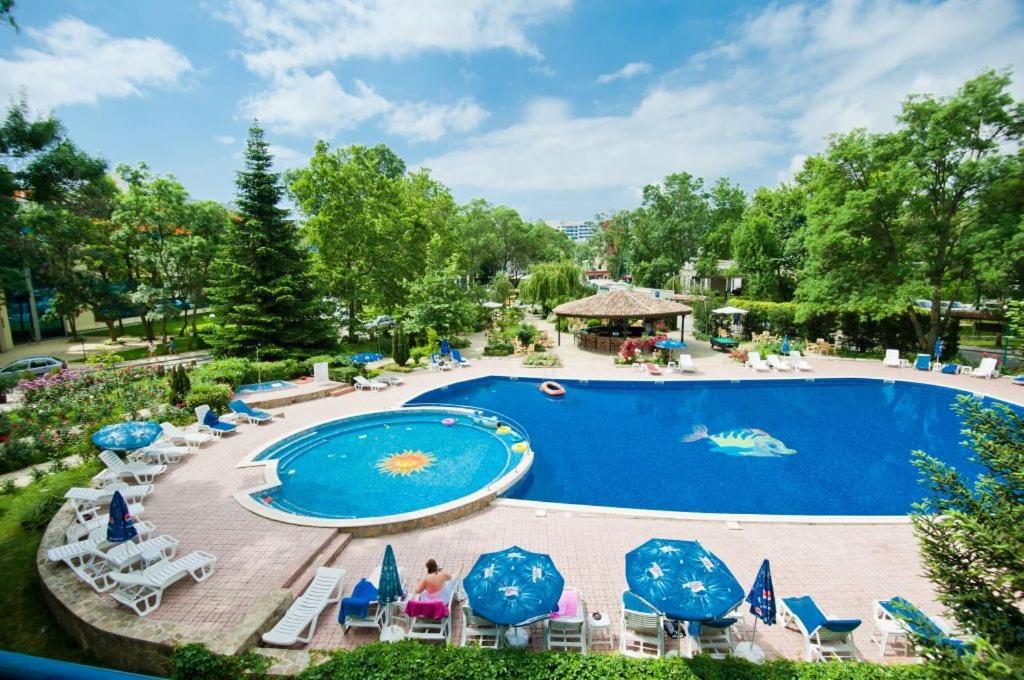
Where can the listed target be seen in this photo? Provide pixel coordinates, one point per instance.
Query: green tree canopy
(438, 299)
(766, 243)
(370, 222)
(262, 293)
(552, 283)
(897, 216)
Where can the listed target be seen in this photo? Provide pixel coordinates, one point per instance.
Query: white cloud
(297, 34)
(77, 63)
(761, 99)
(630, 70)
(423, 122)
(226, 140)
(550, 150)
(301, 104)
(319, 105)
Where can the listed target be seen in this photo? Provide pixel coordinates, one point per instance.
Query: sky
(562, 109)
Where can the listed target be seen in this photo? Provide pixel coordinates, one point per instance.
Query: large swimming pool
(789, 447)
(386, 463)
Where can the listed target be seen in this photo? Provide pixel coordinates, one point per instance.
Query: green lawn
(135, 330)
(28, 626)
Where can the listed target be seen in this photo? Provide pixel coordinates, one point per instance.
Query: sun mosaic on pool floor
(405, 463)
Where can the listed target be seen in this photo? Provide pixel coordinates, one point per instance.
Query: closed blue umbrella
(785, 344)
(513, 587)
(446, 349)
(120, 526)
(127, 436)
(389, 590)
(939, 347)
(762, 605)
(682, 580)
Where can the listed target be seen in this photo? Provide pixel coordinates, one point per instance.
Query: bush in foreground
(413, 661)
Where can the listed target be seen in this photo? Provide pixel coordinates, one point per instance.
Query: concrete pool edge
(640, 513)
(381, 524)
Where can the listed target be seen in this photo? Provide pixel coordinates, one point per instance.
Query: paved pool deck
(845, 567)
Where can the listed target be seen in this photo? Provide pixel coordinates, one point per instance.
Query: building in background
(578, 230)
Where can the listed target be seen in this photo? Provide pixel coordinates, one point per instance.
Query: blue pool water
(334, 469)
(621, 443)
(268, 386)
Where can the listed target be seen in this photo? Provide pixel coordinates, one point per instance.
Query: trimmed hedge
(343, 374)
(237, 371)
(215, 395)
(413, 661)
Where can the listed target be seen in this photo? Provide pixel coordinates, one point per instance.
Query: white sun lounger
(436, 630)
(893, 360)
(77, 533)
(987, 368)
(374, 612)
(143, 473)
(476, 630)
(798, 360)
(363, 384)
(159, 453)
(685, 364)
(778, 363)
(299, 623)
(143, 591)
(132, 494)
(87, 502)
(755, 362)
(825, 638)
(78, 530)
(185, 435)
(94, 567)
(97, 538)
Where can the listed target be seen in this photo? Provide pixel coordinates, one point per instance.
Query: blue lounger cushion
(922, 625)
(812, 618)
(635, 604)
(213, 422)
(239, 406)
(694, 626)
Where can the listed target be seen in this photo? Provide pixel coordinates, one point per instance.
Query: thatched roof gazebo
(621, 306)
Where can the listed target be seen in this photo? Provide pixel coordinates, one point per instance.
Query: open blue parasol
(446, 349)
(513, 587)
(682, 580)
(127, 436)
(120, 526)
(670, 344)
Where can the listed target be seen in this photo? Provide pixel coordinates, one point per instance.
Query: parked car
(33, 365)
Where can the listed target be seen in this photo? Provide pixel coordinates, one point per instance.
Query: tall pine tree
(262, 292)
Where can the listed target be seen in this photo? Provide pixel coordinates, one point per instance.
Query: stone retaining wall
(118, 637)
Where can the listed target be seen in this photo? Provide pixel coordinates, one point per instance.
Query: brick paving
(844, 566)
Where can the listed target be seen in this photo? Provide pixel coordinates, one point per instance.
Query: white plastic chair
(477, 630)
(568, 632)
(893, 360)
(986, 369)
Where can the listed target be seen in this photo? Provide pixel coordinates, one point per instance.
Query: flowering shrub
(628, 350)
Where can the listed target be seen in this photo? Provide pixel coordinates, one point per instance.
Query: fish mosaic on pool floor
(741, 442)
